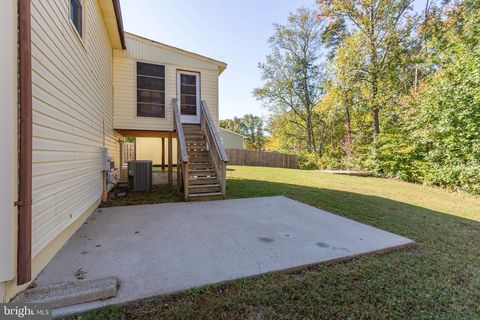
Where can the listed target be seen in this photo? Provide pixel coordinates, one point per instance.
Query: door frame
(188, 118)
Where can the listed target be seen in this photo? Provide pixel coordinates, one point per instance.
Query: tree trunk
(376, 124)
(348, 129)
(375, 109)
(310, 136)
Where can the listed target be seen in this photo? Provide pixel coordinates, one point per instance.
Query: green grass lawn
(439, 278)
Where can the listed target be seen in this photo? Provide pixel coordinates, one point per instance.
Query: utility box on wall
(140, 175)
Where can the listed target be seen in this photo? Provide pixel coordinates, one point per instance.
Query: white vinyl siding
(231, 140)
(124, 81)
(72, 110)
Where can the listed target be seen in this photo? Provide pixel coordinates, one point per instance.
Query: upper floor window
(150, 90)
(76, 15)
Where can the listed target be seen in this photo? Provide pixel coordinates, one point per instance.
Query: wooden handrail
(179, 129)
(217, 151)
(182, 154)
(213, 129)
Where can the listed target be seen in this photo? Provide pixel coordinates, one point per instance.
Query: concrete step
(70, 293)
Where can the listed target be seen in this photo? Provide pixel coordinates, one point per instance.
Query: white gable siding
(72, 116)
(124, 75)
(231, 140)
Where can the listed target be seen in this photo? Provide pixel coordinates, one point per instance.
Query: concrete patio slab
(158, 249)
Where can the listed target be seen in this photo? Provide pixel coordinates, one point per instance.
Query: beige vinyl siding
(72, 116)
(124, 81)
(151, 149)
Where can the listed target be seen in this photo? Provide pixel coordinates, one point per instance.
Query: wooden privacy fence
(246, 157)
(128, 151)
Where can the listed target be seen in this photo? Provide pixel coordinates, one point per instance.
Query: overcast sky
(233, 31)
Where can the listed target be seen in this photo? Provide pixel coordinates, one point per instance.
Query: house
(230, 139)
(73, 85)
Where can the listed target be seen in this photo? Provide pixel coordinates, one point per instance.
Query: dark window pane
(150, 110)
(150, 90)
(184, 99)
(188, 110)
(188, 89)
(150, 83)
(76, 15)
(188, 79)
(148, 69)
(156, 97)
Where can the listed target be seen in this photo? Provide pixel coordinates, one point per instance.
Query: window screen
(150, 90)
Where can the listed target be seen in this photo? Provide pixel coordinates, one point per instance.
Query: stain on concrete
(322, 245)
(266, 240)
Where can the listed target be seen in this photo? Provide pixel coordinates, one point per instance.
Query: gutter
(118, 16)
(24, 203)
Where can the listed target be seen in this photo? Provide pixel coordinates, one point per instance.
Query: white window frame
(81, 37)
(136, 90)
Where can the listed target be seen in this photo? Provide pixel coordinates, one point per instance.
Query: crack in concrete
(246, 253)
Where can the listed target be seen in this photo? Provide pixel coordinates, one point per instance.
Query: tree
(292, 73)
(381, 25)
(250, 126)
(444, 120)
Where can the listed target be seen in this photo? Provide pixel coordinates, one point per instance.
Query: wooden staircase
(203, 183)
(201, 167)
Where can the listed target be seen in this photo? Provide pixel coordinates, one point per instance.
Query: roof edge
(233, 132)
(118, 16)
(221, 65)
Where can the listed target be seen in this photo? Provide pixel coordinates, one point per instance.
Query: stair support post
(170, 160)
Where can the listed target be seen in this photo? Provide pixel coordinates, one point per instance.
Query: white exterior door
(188, 95)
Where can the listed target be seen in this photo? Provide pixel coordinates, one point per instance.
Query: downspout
(24, 203)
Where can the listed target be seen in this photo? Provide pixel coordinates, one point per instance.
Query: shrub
(307, 160)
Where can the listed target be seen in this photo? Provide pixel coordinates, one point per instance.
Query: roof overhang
(112, 17)
(221, 66)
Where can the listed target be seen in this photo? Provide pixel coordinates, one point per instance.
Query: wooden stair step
(194, 160)
(202, 180)
(197, 148)
(199, 153)
(205, 188)
(193, 130)
(202, 174)
(194, 133)
(200, 166)
(206, 196)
